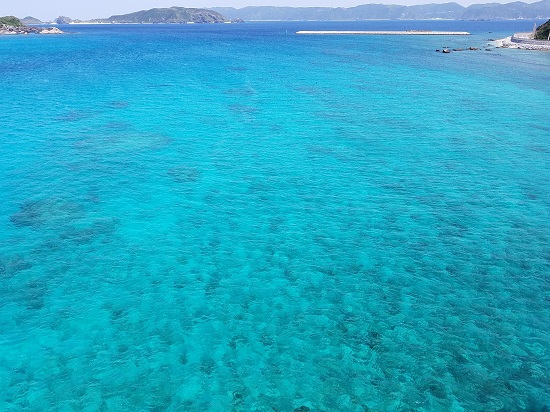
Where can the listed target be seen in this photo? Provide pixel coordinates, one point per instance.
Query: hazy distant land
(175, 15)
(447, 11)
(450, 11)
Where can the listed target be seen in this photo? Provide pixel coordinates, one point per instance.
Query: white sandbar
(401, 33)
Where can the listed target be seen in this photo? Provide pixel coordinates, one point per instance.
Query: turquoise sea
(237, 218)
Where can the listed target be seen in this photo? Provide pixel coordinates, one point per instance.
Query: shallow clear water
(236, 218)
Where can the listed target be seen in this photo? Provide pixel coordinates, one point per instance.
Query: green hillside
(30, 20)
(11, 21)
(168, 15)
(542, 31)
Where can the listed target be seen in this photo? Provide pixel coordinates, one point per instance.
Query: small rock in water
(302, 408)
(51, 30)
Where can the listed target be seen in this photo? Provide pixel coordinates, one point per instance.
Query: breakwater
(520, 41)
(527, 39)
(386, 32)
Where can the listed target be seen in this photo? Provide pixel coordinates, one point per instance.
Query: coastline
(507, 43)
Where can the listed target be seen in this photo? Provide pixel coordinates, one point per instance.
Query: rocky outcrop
(63, 20)
(9, 26)
(50, 30)
(5, 29)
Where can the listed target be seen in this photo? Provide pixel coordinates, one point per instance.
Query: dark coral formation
(183, 174)
(45, 212)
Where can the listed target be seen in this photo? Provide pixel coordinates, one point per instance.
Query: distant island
(171, 15)
(167, 15)
(30, 20)
(449, 11)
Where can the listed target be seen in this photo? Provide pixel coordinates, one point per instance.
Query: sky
(85, 9)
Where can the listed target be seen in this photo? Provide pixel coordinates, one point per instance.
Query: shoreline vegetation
(543, 32)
